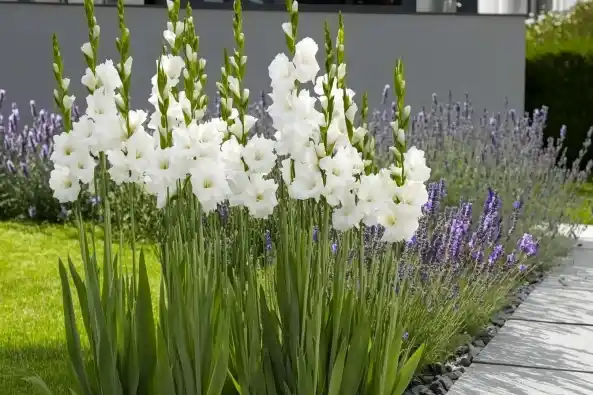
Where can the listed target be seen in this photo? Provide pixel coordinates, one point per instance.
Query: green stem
(106, 215)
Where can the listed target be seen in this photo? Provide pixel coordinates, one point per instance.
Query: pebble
(465, 361)
(438, 388)
(479, 343)
(446, 382)
(454, 375)
(473, 351)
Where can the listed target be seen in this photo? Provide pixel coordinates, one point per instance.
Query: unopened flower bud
(65, 83)
(243, 59)
(401, 136)
(96, 31)
(56, 68)
(188, 51)
(56, 94)
(128, 66)
(119, 101)
(359, 134)
(202, 63)
(320, 150)
(179, 27)
(287, 28)
(170, 5)
(68, 101)
(395, 125)
(295, 6)
(342, 71)
(396, 171)
(87, 49)
(407, 110)
(332, 69)
(233, 62)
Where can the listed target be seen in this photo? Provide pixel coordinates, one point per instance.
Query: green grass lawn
(32, 339)
(584, 214)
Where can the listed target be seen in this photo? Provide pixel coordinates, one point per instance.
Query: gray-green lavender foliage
(505, 152)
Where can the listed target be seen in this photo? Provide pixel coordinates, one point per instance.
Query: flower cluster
(20, 143)
(315, 136)
(321, 150)
(450, 236)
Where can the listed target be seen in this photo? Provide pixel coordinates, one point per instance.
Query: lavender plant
(459, 267)
(25, 166)
(505, 152)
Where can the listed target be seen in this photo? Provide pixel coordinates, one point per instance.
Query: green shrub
(561, 77)
(559, 73)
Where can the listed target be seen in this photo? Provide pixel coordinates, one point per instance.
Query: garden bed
(437, 379)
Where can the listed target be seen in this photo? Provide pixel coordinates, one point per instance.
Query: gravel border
(437, 379)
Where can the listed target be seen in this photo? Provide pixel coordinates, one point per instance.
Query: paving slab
(570, 277)
(580, 257)
(483, 379)
(585, 244)
(541, 345)
(568, 305)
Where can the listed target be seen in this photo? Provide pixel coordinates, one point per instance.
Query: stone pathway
(546, 347)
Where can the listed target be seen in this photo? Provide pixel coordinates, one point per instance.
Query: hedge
(560, 76)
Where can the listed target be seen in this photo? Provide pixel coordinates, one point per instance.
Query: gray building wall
(481, 55)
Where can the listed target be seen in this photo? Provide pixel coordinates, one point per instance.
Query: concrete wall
(481, 55)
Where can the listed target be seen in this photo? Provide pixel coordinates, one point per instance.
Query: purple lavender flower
(522, 268)
(334, 248)
(25, 169)
(94, 200)
(32, 212)
(511, 259)
(496, 253)
(315, 233)
(10, 166)
(268, 241)
(528, 245)
(405, 336)
(33, 108)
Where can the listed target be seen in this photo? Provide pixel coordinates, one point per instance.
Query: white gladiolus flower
(307, 184)
(349, 214)
(107, 76)
(259, 155)
(100, 103)
(89, 80)
(238, 129)
(64, 184)
(83, 167)
(282, 73)
(119, 171)
(83, 132)
(399, 222)
(66, 148)
(306, 66)
(209, 184)
(415, 165)
(373, 193)
(412, 194)
(140, 148)
(173, 67)
(260, 196)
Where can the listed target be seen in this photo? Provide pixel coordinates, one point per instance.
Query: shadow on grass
(50, 363)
